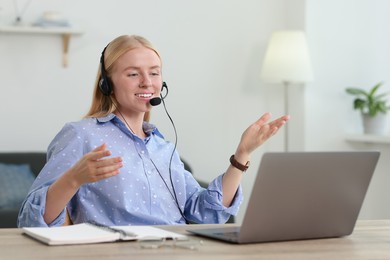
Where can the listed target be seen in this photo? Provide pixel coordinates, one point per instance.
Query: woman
(115, 168)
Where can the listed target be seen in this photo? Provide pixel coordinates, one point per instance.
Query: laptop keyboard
(232, 235)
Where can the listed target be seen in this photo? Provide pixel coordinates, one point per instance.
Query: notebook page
(73, 234)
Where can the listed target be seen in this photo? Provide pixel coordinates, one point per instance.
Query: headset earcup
(105, 86)
(105, 83)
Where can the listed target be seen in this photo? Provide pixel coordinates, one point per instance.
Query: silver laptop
(303, 195)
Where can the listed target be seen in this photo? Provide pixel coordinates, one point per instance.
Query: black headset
(105, 83)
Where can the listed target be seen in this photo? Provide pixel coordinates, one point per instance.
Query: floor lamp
(287, 61)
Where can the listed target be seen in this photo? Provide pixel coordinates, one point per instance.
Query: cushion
(15, 182)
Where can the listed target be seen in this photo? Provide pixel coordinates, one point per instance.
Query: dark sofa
(36, 161)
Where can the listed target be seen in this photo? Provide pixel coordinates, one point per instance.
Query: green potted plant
(373, 107)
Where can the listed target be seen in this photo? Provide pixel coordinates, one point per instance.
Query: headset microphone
(157, 100)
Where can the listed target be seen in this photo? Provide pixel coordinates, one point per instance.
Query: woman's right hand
(93, 167)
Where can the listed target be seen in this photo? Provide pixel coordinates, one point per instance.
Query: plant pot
(374, 125)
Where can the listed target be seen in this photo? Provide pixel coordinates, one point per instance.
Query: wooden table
(370, 240)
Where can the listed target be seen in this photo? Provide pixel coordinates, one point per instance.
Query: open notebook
(88, 233)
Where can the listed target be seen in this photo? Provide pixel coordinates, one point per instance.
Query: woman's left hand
(259, 132)
(254, 136)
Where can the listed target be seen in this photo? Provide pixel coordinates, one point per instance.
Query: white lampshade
(287, 58)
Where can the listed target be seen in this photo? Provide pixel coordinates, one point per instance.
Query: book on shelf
(88, 233)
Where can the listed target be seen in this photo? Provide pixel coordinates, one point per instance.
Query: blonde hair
(103, 105)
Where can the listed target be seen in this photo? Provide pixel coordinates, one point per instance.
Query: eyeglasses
(171, 243)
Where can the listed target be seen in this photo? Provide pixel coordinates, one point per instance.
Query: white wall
(212, 53)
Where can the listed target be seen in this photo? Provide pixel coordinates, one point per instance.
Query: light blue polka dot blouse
(141, 194)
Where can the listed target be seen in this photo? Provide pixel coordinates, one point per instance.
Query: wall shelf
(64, 32)
(364, 138)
